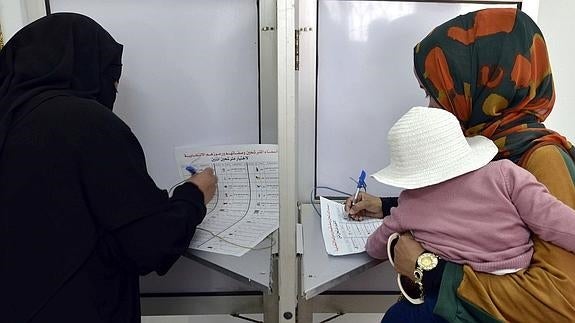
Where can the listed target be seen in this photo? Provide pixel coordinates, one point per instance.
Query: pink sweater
(481, 218)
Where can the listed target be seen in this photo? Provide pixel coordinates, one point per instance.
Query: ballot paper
(342, 235)
(245, 208)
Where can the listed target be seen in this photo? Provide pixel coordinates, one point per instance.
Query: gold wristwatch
(425, 262)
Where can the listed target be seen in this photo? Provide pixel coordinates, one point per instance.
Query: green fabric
(450, 306)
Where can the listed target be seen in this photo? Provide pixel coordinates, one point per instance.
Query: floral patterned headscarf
(491, 69)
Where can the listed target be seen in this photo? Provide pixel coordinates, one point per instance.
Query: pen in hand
(192, 170)
(360, 184)
(355, 196)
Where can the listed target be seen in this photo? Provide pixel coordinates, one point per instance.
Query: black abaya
(80, 218)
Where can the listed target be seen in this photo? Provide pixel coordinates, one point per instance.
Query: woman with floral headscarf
(490, 68)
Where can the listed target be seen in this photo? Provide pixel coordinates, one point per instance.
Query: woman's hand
(366, 205)
(206, 181)
(406, 252)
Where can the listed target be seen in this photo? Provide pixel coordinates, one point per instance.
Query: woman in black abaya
(80, 218)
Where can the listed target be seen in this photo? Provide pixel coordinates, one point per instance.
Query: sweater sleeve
(376, 245)
(544, 214)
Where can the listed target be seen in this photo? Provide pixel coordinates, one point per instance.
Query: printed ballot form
(245, 208)
(341, 234)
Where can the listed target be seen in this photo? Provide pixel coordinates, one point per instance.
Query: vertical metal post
(268, 72)
(287, 142)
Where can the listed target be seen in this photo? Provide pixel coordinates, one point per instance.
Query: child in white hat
(460, 205)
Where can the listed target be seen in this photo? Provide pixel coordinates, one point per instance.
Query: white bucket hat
(427, 146)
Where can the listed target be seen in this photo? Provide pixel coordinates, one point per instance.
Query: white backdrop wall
(556, 21)
(11, 17)
(14, 14)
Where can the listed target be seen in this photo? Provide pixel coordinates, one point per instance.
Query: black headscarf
(60, 54)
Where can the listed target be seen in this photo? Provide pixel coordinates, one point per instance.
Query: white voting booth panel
(190, 77)
(364, 82)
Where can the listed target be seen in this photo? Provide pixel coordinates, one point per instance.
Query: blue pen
(191, 169)
(360, 184)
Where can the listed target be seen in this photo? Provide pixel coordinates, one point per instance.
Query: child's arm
(544, 214)
(376, 245)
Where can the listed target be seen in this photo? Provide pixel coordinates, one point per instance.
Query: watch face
(427, 261)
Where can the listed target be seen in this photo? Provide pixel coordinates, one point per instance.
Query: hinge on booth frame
(296, 45)
(297, 31)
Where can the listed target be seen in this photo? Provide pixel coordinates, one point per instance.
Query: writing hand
(206, 181)
(366, 205)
